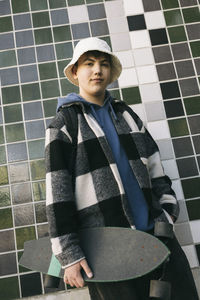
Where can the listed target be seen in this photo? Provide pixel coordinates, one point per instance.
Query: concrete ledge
(76, 294)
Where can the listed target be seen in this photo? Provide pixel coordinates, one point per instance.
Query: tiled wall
(158, 42)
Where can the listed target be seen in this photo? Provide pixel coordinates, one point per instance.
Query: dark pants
(177, 272)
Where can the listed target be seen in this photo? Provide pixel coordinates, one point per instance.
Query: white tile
(120, 41)
(170, 168)
(177, 187)
(155, 19)
(195, 228)
(155, 111)
(140, 39)
(127, 78)
(118, 25)
(139, 110)
(143, 56)
(147, 74)
(133, 7)
(150, 92)
(159, 130)
(78, 14)
(126, 58)
(114, 9)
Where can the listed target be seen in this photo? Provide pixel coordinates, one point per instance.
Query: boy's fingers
(86, 268)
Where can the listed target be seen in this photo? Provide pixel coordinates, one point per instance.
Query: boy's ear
(74, 71)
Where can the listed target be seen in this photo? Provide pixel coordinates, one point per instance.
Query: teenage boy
(116, 180)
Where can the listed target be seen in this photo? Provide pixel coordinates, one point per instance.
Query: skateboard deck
(114, 254)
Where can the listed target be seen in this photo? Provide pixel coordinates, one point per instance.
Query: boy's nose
(97, 68)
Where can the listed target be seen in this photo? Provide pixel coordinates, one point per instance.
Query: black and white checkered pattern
(99, 198)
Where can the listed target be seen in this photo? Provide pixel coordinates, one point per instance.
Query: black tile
(151, 5)
(166, 71)
(7, 241)
(96, 12)
(6, 41)
(80, 31)
(173, 108)
(185, 68)
(189, 87)
(136, 22)
(8, 264)
(198, 160)
(182, 146)
(180, 51)
(188, 2)
(30, 284)
(196, 141)
(194, 123)
(198, 246)
(162, 54)
(99, 28)
(193, 208)
(187, 167)
(193, 31)
(170, 90)
(158, 36)
(197, 65)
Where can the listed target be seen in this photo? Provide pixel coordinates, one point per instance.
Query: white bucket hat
(92, 44)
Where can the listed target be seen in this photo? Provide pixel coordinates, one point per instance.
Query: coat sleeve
(161, 183)
(60, 201)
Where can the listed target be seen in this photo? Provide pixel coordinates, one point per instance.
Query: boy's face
(93, 74)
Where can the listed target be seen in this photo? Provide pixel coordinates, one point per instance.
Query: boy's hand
(72, 274)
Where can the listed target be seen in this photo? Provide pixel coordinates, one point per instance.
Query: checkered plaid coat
(99, 197)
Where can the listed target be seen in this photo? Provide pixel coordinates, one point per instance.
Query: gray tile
(162, 54)
(185, 68)
(165, 148)
(21, 193)
(45, 53)
(23, 215)
(180, 51)
(33, 110)
(22, 21)
(8, 264)
(189, 87)
(99, 28)
(193, 31)
(19, 172)
(188, 2)
(196, 274)
(6, 41)
(1, 118)
(155, 111)
(40, 210)
(26, 56)
(96, 12)
(183, 215)
(80, 31)
(197, 65)
(166, 71)
(4, 7)
(183, 233)
(43, 230)
(194, 123)
(196, 141)
(17, 151)
(9, 76)
(35, 129)
(59, 17)
(28, 73)
(151, 5)
(24, 38)
(7, 241)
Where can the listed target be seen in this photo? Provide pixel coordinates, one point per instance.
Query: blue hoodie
(132, 190)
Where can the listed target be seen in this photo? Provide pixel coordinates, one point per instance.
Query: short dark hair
(97, 54)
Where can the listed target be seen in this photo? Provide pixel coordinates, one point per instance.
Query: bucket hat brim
(93, 44)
